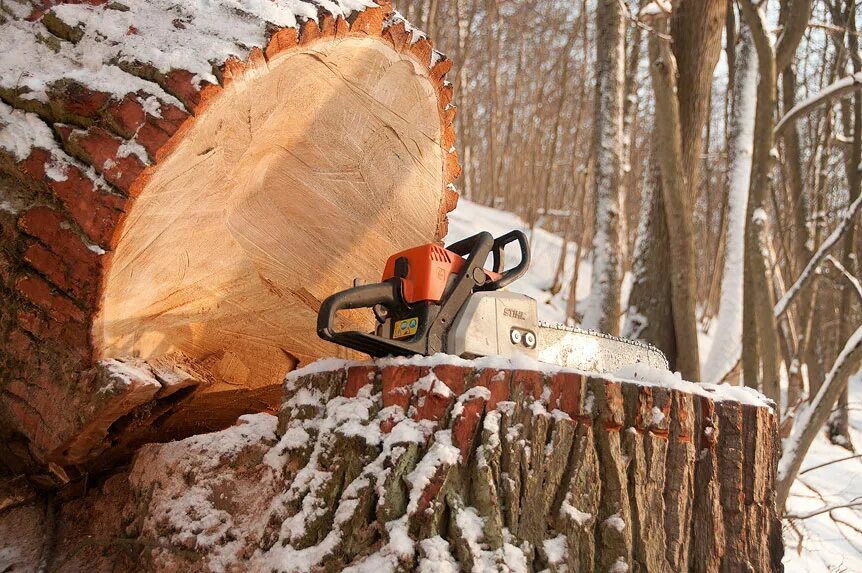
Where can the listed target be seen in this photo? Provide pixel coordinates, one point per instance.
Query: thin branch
(814, 415)
(756, 19)
(640, 23)
(808, 271)
(791, 35)
(829, 463)
(854, 282)
(857, 501)
(833, 28)
(836, 89)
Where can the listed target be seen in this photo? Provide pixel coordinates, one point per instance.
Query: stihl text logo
(516, 314)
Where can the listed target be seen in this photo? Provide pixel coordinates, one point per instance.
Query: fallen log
(482, 465)
(181, 184)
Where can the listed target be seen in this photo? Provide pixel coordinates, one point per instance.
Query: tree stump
(490, 467)
(402, 465)
(181, 184)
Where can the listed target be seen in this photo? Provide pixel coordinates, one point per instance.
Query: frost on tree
(181, 184)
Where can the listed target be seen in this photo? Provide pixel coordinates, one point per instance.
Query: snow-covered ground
(830, 541)
(470, 218)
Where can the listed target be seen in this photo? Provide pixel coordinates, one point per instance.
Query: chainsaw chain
(598, 334)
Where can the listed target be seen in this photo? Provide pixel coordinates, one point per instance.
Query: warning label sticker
(405, 328)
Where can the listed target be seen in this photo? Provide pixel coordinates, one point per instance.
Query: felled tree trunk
(406, 465)
(181, 184)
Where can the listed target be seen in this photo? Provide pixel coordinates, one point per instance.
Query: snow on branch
(804, 278)
(812, 416)
(808, 271)
(834, 90)
(854, 282)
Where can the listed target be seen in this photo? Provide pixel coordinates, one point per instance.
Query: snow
(834, 89)
(415, 36)
(615, 522)
(821, 543)
(211, 31)
(797, 438)
(436, 556)
(442, 452)
(164, 34)
(658, 8)
(21, 131)
(316, 367)
(556, 550)
(573, 513)
(470, 218)
(826, 543)
(812, 265)
(650, 376)
(724, 351)
(122, 375)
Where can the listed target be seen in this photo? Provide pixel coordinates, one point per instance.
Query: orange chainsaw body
(427, 271)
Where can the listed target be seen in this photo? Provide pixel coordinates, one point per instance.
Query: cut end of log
(199, 217)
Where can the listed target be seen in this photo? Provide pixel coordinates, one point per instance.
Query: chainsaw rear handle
(386, 294)
(498, 250)
(429, 338)
(365, 296)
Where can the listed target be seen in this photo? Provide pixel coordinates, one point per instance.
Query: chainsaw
(434, 299)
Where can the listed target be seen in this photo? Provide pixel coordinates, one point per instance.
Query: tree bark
(163, 248)
(415, 466)
(728, 328)
(677, 200)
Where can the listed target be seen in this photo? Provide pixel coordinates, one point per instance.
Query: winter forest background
(703, 157)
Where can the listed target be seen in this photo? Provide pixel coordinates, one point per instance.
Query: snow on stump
(181, 184)
(486, 465)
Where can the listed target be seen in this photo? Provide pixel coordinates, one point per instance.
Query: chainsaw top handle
(498, 250)
(433, 320)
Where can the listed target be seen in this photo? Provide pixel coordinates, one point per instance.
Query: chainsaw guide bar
(593, 350)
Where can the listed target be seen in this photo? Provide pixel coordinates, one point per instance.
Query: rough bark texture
(84, 373)
(397, 466)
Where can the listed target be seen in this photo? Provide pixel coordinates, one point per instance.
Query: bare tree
(604, 309)
(760, 355)
(654, 308)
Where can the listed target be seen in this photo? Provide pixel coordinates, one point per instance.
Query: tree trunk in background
(728, 327)
(163, 251)
(696, 28)
(760, 353)
(604, 305)
(793, 174)
(630, 109)
(677, 199)
(839, 427)
(649, 316)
